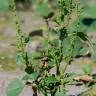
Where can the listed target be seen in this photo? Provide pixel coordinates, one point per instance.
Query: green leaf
(88, 70)
(77, 47)
(36, 55)
(69, 77)
(43, 9)
(4, 4)
(90, 11)
(14, 88)
(26, 77)
(82, 36)
(51, 80)
(84, 51)
(32, 76)
(19, 58)
(66, 45)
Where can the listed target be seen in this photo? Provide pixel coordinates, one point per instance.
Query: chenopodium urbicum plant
(62, 48)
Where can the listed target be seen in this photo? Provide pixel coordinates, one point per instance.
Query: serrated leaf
(14, 88)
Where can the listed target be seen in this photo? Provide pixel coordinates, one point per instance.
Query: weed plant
(63, 48)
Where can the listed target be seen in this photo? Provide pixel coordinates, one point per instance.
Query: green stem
(65, 67)
(47, 23)
(52, 93)
(45, 93)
